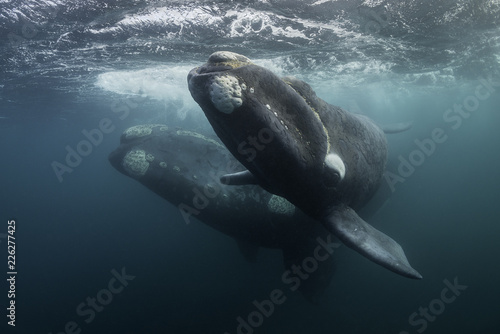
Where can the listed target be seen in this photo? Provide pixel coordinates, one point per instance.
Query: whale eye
(336, 177)
(331, 179)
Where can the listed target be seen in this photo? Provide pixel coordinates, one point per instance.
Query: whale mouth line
(208, 70)
(222, 61)
(211, 69)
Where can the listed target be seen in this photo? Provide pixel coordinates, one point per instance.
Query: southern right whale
(326, 161)
(184, 168)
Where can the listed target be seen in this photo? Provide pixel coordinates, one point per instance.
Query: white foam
(248, 22)
(164, 83)
(372, 3)
(174, 17)
(253, 22)
(319, 2)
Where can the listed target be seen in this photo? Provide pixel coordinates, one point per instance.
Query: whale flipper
(239, 179)
(357, 234)
(396, 127)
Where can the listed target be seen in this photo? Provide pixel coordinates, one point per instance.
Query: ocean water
(68, 65)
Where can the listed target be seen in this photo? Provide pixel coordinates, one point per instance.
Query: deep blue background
(190, 279)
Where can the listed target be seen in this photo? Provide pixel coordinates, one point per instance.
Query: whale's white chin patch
(334, 162)
(225, 93)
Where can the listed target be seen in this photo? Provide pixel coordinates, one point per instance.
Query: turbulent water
(67, 65)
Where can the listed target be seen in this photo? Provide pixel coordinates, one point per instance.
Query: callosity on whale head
(324, 160)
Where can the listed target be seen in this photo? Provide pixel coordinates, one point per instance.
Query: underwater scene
(250, 167)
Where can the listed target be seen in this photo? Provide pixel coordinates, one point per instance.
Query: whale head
(257, 114)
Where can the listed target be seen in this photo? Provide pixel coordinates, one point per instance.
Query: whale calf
(326, 161)
(184, 168)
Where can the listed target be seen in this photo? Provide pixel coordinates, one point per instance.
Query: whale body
(326, 161)
(184, 168)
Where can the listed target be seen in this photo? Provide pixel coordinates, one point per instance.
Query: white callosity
(141, 130)
(135, 163)
(225, 93)
(334, 161)
(280, 205)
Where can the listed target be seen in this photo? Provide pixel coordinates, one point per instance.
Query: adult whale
(325, 160)
(184, 168)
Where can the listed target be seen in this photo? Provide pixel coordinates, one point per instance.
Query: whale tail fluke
(248, 249)
(309, 268)
(357, 234)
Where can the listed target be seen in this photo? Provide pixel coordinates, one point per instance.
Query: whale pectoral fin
(239, 178)
(357, 234)
(396, 127)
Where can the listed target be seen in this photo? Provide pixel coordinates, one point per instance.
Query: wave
(342, 44)
(167, 84)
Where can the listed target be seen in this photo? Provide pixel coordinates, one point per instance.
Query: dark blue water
(67, 65)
